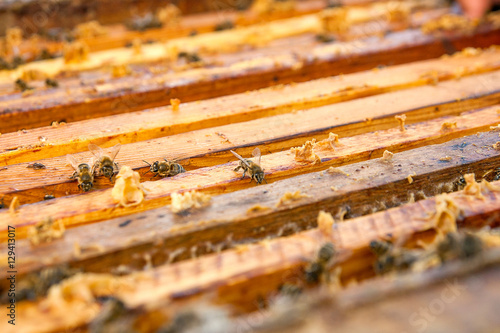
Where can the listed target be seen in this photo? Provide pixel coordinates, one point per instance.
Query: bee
(4, 64)
(105, 164)
(319, 267)
(113, 317)
(36, 166)
(35, 285)
(190, 57)
(459, 246)
(290, 290)
(226, 25)
(379, 248)
(22, 85)
(497, 175)
(175, 169)
(334, 4)
(390, 258)
(48, 197)
(253, 168)
(84, 173)
(51, 83)
(324, 38)
(459, 184)
(165, 168)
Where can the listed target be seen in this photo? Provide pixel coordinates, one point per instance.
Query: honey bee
(290, 290)
(497, 174)
(84, 173)
(253, 168)
(390, 258)
(105, 164)
(165, 168)
(226, 25)
(36, 166)
(319, 267)
(459, 184)
(459, 246)
(35, 285)
(51, 83)
(22, 85)
(113, 317)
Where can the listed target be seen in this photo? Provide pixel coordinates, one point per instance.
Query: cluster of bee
(459, 245)
(390, 257)
(103, 164)
(16, 62)
(455, 245)
(253, 168)
(23, 86)
(318, 269)
(100, 164)
(35, 285)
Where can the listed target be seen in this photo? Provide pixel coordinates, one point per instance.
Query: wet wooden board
(130, 94)
(235, 275)
(229, 219)
(275, 134)
(144, 125)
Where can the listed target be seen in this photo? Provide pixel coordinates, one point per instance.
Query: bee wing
(92, 164)
(96, 150)
(256, 153)
(114, 151)
(240, 158)
(72, 161)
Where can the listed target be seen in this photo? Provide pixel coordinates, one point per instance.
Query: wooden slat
(139, 126)
(133, 93)
(229, 220)
(66, 14)
(274, 135)
(99, 205)
(213, 42)
(234, 274)
(118, 34)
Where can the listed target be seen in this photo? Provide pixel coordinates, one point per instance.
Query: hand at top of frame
(476, 8)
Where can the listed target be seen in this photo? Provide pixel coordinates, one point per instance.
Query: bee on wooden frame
(165, 168)
(390, 257)
(84, 173)
(105, 164)
(36, 285)
(253, 168)
(48, 196)
(36, 166)
(458, 245)
(318, 268)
